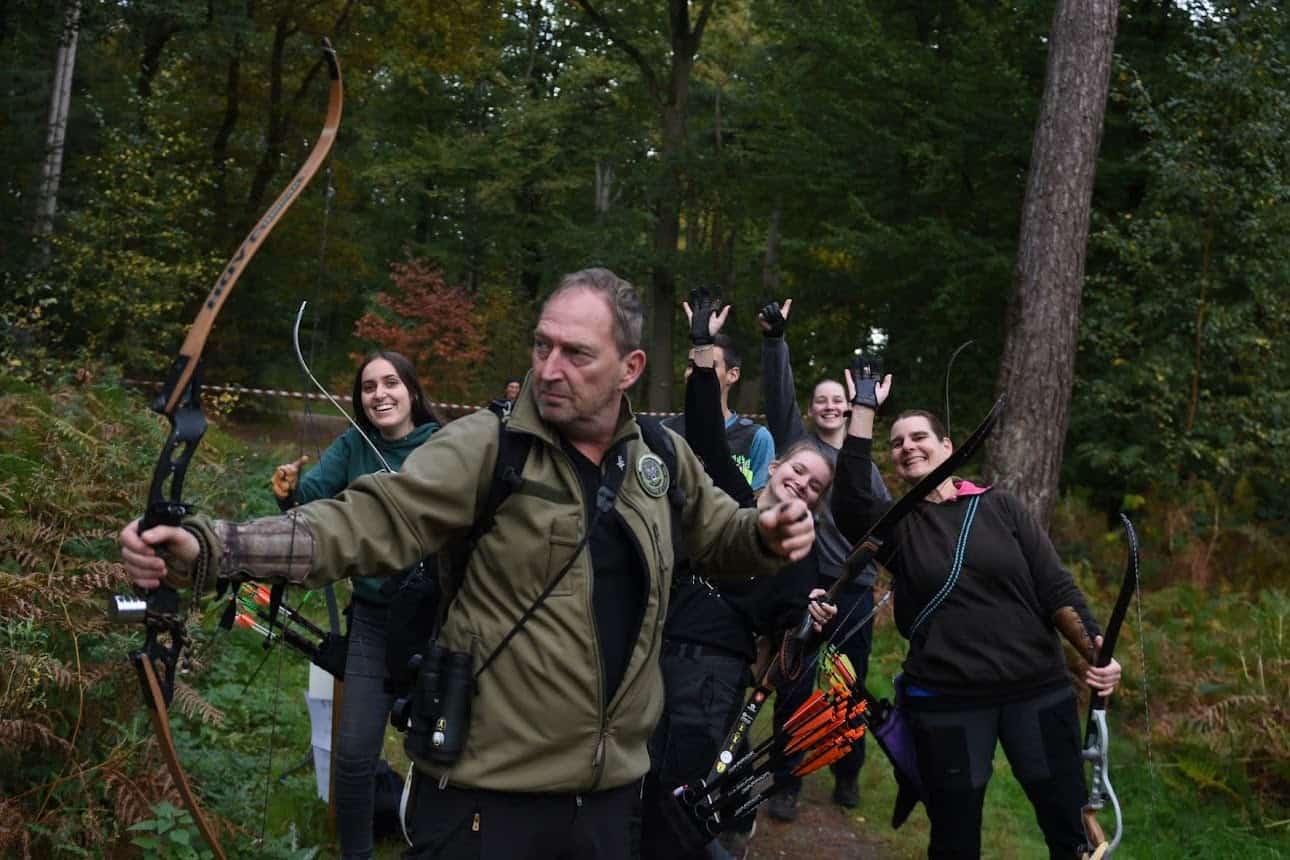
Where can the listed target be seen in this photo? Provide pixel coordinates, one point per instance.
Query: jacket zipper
(598, 762)
(598, 757)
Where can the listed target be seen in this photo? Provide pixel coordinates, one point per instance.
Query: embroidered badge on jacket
(652, 473)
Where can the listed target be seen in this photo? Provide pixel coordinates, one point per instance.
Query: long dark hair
(421, 411)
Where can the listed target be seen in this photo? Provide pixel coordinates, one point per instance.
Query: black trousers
(1041, 739)
(467, 824)
(705, 690)
(854, 603)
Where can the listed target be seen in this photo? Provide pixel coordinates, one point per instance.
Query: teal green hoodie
(344, 461)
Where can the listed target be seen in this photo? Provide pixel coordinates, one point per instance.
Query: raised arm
(331, 475)
(705, 426)
(859, 496)
(783, 416)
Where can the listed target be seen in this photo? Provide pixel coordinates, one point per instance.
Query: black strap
(512, 453)
(615, 470)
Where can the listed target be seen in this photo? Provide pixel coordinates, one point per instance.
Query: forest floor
(822, 829)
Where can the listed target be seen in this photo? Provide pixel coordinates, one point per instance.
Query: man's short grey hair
(624, 304)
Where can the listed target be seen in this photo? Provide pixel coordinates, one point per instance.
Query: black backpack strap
(659, 440)
(508, 476)
(512, 452)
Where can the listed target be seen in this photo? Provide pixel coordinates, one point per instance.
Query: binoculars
(437, 714)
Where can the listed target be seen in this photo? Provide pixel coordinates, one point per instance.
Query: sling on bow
(1096, 738)
(180, 402)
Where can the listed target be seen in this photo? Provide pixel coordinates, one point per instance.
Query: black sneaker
(783, 807)
(846, 793)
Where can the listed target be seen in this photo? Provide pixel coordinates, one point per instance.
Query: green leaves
(1182, 316)
(171, 835)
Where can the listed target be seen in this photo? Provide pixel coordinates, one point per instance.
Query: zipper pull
(599, 758)
(474, 824)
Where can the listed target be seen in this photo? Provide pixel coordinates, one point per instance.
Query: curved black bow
(1096, 737)
(180, 402)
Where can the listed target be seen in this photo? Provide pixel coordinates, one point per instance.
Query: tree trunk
(673, 98)
(770, 262)
(60, 100)
(667, 230)
(159, 31)
(1038, 363)
(232, 109)
(284, 111)
(604, 185)
(275, 132)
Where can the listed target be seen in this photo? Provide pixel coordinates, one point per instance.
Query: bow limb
(184, 365)
(1097, 735)
(179, 400)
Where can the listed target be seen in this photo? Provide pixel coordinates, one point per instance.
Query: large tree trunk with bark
(1038, 363)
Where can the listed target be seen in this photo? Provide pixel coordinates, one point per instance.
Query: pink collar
(967, 488)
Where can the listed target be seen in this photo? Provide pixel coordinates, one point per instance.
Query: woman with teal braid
(391, 411)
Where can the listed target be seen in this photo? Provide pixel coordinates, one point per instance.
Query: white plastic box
(319, 699)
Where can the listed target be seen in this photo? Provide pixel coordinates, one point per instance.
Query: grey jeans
(364, 713)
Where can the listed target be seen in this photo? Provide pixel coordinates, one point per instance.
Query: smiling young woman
(391, 409)
(827, 411)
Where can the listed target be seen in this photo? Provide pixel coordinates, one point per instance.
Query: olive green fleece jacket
(539, 722)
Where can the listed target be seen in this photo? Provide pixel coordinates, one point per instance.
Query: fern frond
(191, 704)
(14, 838)
(20, 735)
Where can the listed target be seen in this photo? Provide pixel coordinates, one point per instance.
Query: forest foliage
(866, 158)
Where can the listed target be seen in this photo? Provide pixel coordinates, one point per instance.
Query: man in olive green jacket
(557, 742)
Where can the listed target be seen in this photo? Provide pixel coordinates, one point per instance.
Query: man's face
(726, 376)
(578, 374)
(512, 390)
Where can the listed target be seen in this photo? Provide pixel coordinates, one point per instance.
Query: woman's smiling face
(828, 406)
(804, 475)
(386, 400)
(916, 449)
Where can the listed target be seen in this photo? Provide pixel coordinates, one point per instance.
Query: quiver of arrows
(824, 729)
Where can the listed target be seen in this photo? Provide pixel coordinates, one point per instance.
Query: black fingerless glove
(773, 318)
(702, 306)
(866, 373)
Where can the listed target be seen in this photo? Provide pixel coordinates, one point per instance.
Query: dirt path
(822, 831)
